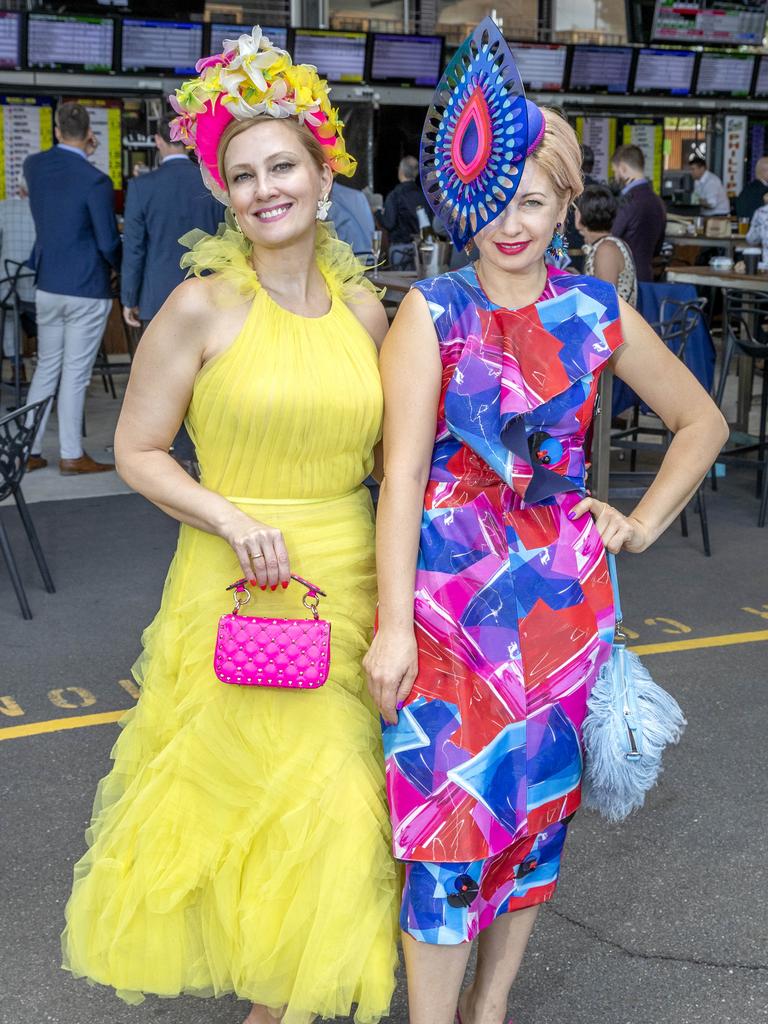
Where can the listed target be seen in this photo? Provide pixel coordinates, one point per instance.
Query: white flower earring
(323, 206)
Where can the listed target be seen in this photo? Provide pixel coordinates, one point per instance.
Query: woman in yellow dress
(240, 843)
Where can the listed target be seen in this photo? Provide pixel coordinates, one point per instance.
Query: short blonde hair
(559, 155)
(237, 127)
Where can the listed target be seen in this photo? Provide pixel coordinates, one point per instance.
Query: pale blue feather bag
(630, 721)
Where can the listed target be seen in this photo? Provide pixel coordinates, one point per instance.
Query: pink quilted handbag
(291, 653)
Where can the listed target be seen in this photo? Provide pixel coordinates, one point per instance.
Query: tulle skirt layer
(240, 843)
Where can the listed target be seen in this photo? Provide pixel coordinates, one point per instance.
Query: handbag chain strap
(619, 636)
(310, 600)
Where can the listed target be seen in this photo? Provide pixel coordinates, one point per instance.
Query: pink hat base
(209, 127)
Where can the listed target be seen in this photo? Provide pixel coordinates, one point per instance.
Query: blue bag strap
(615, 584)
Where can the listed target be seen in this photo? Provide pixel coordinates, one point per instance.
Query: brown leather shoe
(85, 464)
(36, 462)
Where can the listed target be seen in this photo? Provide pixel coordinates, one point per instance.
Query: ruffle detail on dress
(227, 253)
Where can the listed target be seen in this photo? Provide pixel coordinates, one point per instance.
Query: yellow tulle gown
(240, 843)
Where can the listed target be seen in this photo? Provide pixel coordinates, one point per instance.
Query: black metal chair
(17, 431)
(677, 320)
(745, 333)
(18, 311)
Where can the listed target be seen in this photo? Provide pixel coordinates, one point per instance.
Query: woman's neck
(291, 276)
(590, 237)
(511, 290)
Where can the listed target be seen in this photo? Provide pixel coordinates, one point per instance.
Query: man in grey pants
(77, 246)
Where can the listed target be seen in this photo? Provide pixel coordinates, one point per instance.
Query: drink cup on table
(751, 258)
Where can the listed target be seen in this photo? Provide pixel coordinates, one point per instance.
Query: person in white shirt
(758, 228)
(709, 189)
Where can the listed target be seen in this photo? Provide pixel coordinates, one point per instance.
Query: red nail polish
(273, 587)
(253, 583)
(263, 586)
(285, 584)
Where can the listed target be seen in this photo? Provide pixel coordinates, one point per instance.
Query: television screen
(601, 69)
(149, 45)
(64, 41)
(730, 22)
(10, 38)
(415, 60)
(725, 74)
(761, 80)
(221, 31)
(338, 56)
(666, 72)
(541, 65)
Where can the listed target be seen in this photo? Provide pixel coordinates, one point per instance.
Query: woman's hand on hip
(617, 531)
(391, 666)
(260, 550)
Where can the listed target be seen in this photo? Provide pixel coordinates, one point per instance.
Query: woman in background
(607, 257)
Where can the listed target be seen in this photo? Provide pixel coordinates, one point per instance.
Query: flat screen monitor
(677, 186)
(761, 78)
(10, 39)
(221, 31)
(338, 56)
(664, 72)
(410, 60)
(70, 42)
(161, 46)
(601, 69)
(725, 74)
(728, 22)
(541, 65)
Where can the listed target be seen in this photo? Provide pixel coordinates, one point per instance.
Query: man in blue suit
(352, 218)
(77, 249)
(161, 207)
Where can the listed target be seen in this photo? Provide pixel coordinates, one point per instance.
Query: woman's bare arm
(670, 389)
(171, 352)
(411, 372)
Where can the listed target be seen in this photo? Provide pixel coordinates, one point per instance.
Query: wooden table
(706, 277)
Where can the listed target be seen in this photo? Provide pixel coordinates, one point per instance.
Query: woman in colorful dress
(240, 843)
(495, 605)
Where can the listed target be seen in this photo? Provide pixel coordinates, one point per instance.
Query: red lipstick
(511, 248)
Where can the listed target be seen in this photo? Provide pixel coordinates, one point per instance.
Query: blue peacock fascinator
(477, 133)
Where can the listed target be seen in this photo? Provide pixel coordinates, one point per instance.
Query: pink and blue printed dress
(513, 606)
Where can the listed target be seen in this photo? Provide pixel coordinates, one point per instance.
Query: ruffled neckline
(227, 255)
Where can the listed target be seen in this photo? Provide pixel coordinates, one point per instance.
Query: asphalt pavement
(661, 920)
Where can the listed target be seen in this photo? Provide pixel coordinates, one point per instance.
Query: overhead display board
(541, 65)
(725, 74)
(696, 22)
(161, 46)
(406, 59)
(70, 42)
(10, 39)
(223, 30)
(26, 127)
(664, 72)
(600, 69)
(338, 56)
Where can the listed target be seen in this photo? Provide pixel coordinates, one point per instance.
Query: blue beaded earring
(558, 245)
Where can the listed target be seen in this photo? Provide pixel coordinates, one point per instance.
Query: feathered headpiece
(253, 77)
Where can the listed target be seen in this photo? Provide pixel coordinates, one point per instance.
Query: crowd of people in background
(615, 232)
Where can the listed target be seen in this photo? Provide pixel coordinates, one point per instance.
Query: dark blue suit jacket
(159, 209)
(73, 208)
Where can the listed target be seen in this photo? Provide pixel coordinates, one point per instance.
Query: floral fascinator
(251, 78)
(478, 131)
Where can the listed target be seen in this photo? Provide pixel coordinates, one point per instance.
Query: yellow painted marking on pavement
(130, 687)
(57, 724)
(677, 627)
(83, 698)
(725, 640)
(8, 706)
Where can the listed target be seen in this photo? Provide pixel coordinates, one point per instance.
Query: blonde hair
(559, 155)
(237, 127)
